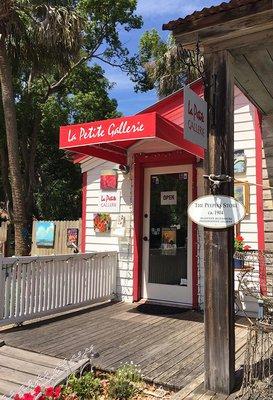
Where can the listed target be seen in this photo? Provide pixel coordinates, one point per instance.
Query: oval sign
(216, 212)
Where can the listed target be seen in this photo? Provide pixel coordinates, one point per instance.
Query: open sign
(168, 198)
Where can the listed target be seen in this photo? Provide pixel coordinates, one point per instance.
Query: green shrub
(125, 383)
(85, 387)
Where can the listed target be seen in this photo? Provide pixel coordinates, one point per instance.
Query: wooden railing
(32, 287)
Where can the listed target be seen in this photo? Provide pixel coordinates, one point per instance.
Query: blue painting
(45, 232)
(239, 162)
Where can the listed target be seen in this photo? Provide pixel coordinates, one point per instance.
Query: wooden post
(219, 275)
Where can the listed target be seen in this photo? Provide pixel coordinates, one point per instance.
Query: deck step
(19, 367)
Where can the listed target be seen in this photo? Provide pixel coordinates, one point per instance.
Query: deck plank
(7, 387)
(34, 358)
(187, 390)
(24, 366)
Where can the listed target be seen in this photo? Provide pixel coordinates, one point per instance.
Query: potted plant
(239, 247)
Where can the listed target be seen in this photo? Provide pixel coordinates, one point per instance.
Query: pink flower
(247, 247)
(17, 397)
(104, 382)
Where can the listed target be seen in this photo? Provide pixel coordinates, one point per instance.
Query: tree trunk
(5, 174)
(30, 167)
(18, 195)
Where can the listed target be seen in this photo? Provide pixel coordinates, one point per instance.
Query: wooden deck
(169, 349)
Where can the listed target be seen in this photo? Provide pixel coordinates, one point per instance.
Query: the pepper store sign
(195, 118)
(118, 129)
(216, 212)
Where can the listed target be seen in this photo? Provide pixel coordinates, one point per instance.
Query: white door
(167, 235)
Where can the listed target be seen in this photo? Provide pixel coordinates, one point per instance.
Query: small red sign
(119, 129)
(108, 179)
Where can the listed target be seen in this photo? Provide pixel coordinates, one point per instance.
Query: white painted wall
(244, 139)
(107, 241)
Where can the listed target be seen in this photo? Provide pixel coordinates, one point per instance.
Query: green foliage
(85, 98)
(43, 33)
(125, 383)
(53, 47)
(85, 387)
(152, 46)
(58, 34)
(162, 69)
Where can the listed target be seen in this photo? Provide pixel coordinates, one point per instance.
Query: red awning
(111, 139)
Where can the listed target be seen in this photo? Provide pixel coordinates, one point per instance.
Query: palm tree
(165, 68)
(42, 33)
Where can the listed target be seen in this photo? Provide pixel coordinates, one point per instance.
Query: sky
(154, 13)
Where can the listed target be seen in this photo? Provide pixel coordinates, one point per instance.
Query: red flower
(42, 398)
(28, 396)
(57, 392)
(247, 247)
(16, 397)
(37, 390)
(239, 238)
(49, 392)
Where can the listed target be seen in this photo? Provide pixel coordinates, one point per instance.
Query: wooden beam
(243, 43)
(226, 31)
(267, 137)
(261, 62)
(252, 83)
(219, 275)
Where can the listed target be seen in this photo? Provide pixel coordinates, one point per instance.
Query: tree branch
(121, 66)
(54, 87)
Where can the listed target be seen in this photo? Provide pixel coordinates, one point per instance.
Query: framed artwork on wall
(102, 222)
(239, 162)
(108, 179)
(72, 236)
(242, 194)
(45, 233)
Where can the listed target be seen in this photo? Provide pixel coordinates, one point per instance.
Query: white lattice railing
(31, 287)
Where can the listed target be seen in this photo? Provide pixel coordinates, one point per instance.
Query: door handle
(145, 239)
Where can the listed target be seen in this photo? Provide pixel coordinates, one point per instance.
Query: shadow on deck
(168, 348)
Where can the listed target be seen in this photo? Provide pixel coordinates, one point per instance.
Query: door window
(168, 229)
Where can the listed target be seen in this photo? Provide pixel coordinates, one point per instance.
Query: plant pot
(238, 263)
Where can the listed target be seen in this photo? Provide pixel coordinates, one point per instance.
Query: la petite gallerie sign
(118, 129)
(195, 118)
(109, 202)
